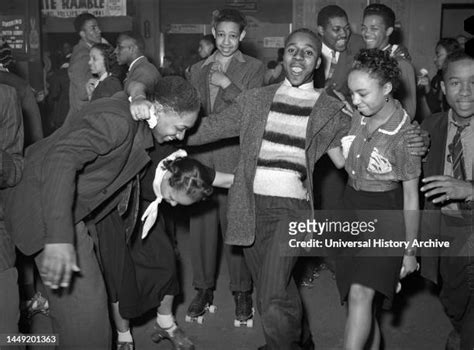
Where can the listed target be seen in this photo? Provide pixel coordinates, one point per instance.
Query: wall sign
(185, 29)
(72, 8)
(13, 31)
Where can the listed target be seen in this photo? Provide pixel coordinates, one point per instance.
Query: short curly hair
(81, 20)
(229, 15)
(176, 93)
(329, 12)
(449, 44)
(379, 65)
(385, 12)
(455, 56)
(110, 58)
(308, 32)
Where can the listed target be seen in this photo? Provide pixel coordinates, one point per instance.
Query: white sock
(166, 322)
(125, 336)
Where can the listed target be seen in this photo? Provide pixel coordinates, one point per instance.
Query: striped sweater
(281, 164)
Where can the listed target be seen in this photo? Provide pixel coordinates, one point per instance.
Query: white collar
(103, 76)
(133, 62)
(306, 86)
(327, 52)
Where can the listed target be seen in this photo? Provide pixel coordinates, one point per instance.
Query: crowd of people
(329, 126)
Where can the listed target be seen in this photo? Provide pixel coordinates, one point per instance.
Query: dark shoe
(243, 305)
(125, 345)
(177, 337)
(201, 302)
(454, 341)
(243, 309)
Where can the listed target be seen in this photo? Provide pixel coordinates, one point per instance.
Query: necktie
(457, 159)
(456, 153)
(332, 66)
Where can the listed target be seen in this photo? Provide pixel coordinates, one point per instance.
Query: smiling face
(96, 62)
(228, 37)
(368, 96)
(336, 33)
(375, 32)
(171, 125)
(301, 58)
(458, 86)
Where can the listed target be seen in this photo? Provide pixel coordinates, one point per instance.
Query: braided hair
(190, 176)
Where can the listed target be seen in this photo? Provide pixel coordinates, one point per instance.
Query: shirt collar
(133, 62)
(326, 50)
(307, 86)
(238, 55)
(393, 125)
(104, 76)
(452, 121)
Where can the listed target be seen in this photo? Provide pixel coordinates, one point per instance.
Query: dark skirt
(380, 272)
(138, 274)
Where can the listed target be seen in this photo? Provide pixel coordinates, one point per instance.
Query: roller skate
(35, 305)
(176, 336)
(125, 345)
(243, 309)
(201, 303)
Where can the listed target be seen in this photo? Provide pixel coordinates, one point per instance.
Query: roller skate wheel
(188, 318)
(200, 320)
(236, 323)
(250, 323)
(212, 309)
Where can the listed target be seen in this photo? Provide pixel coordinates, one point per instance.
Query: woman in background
(103, 65)
(432, 98)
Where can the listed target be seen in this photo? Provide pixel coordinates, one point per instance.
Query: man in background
(87, 27)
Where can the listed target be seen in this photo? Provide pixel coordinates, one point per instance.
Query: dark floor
(418, 321)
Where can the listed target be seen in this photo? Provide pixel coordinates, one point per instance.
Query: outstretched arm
(223, 180)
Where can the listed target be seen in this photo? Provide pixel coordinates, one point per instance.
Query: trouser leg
(79, 315)
(203, 230)
(240, 279)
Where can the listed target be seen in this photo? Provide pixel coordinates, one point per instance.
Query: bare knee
(359, 294)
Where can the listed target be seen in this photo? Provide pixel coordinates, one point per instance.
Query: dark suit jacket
(107, 87)
(144, 72)
(339, 79)
(29, 106)
(11, 163)
(247, 118)
(72, 173)
(437, 126)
